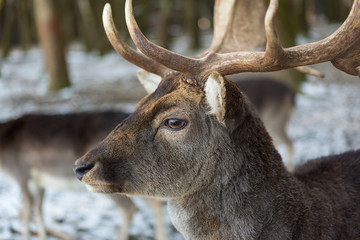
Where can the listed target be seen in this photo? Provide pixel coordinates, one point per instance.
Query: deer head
(170, 126)
(194, 122)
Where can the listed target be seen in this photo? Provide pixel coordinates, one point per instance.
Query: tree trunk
(165, 14)
(51, 38)
(191, 18)
(6, 31)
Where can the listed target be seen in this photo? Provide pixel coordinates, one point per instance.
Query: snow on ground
(325, 121)
(99, 83)
(23, 84)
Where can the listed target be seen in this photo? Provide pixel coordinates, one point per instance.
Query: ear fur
(149, 80)
(225, 100)
(215, 94)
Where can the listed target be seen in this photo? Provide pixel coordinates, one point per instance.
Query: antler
(232, 29)
(170, 59)
(125, 50)
(349, 62)
(338, 48)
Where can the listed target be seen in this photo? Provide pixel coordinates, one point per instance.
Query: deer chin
(99, 188)
(103, 188)
(93, 184)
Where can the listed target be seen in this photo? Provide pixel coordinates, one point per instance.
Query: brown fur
(223, 181)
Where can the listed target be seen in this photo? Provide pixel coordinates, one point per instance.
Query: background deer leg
(128, 208)
(38, 196)
(276, 120)
(280, 136)
(26, 211)
(289, 149)
(156, 207)
(283, 135)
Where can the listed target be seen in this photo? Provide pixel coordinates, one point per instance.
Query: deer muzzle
(81, 169)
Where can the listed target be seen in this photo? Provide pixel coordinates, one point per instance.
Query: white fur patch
(149, 80)
(213, 94)
(89, 188)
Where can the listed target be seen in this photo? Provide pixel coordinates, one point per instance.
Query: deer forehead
(176, 100)
(171, 92)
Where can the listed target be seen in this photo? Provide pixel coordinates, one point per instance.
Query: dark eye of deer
(175, 124)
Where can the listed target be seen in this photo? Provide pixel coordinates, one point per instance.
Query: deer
(197, 142)
(28, 132)
(274, 103)
(38, 156)
(37, 151)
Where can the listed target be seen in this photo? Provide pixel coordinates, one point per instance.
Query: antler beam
(125, 50)
(170, 59)
(274, 50)
(338, 48)
(277, 58)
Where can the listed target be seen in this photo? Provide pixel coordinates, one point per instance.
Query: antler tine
(167, 58)
(274, 49)
(233, 31)
(337, 48)
(330, 48)
(125, 50)
(310, 71)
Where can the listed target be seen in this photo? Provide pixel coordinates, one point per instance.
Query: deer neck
(244, 188)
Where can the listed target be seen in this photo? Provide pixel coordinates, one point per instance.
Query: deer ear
(215, 94)
(149, 80)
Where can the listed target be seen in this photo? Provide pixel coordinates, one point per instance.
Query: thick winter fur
(38, 151)
(273, 101)
(223, 181)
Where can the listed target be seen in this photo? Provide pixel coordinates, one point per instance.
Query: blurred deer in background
(38, 152)
(196, 141)
(274, 103)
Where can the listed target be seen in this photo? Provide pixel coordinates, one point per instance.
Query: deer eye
(175, 124)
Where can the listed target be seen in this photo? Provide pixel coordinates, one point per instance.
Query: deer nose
(82, 168)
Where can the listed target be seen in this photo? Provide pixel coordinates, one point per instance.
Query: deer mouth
(94, 179)
(99, 183)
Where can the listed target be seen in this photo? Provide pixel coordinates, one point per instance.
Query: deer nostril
(82, 168)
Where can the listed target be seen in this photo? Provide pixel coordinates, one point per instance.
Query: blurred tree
(51, 37)
(334, 10)
(164, 22)
(7, 20)
(191, 17)
(292, 21)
